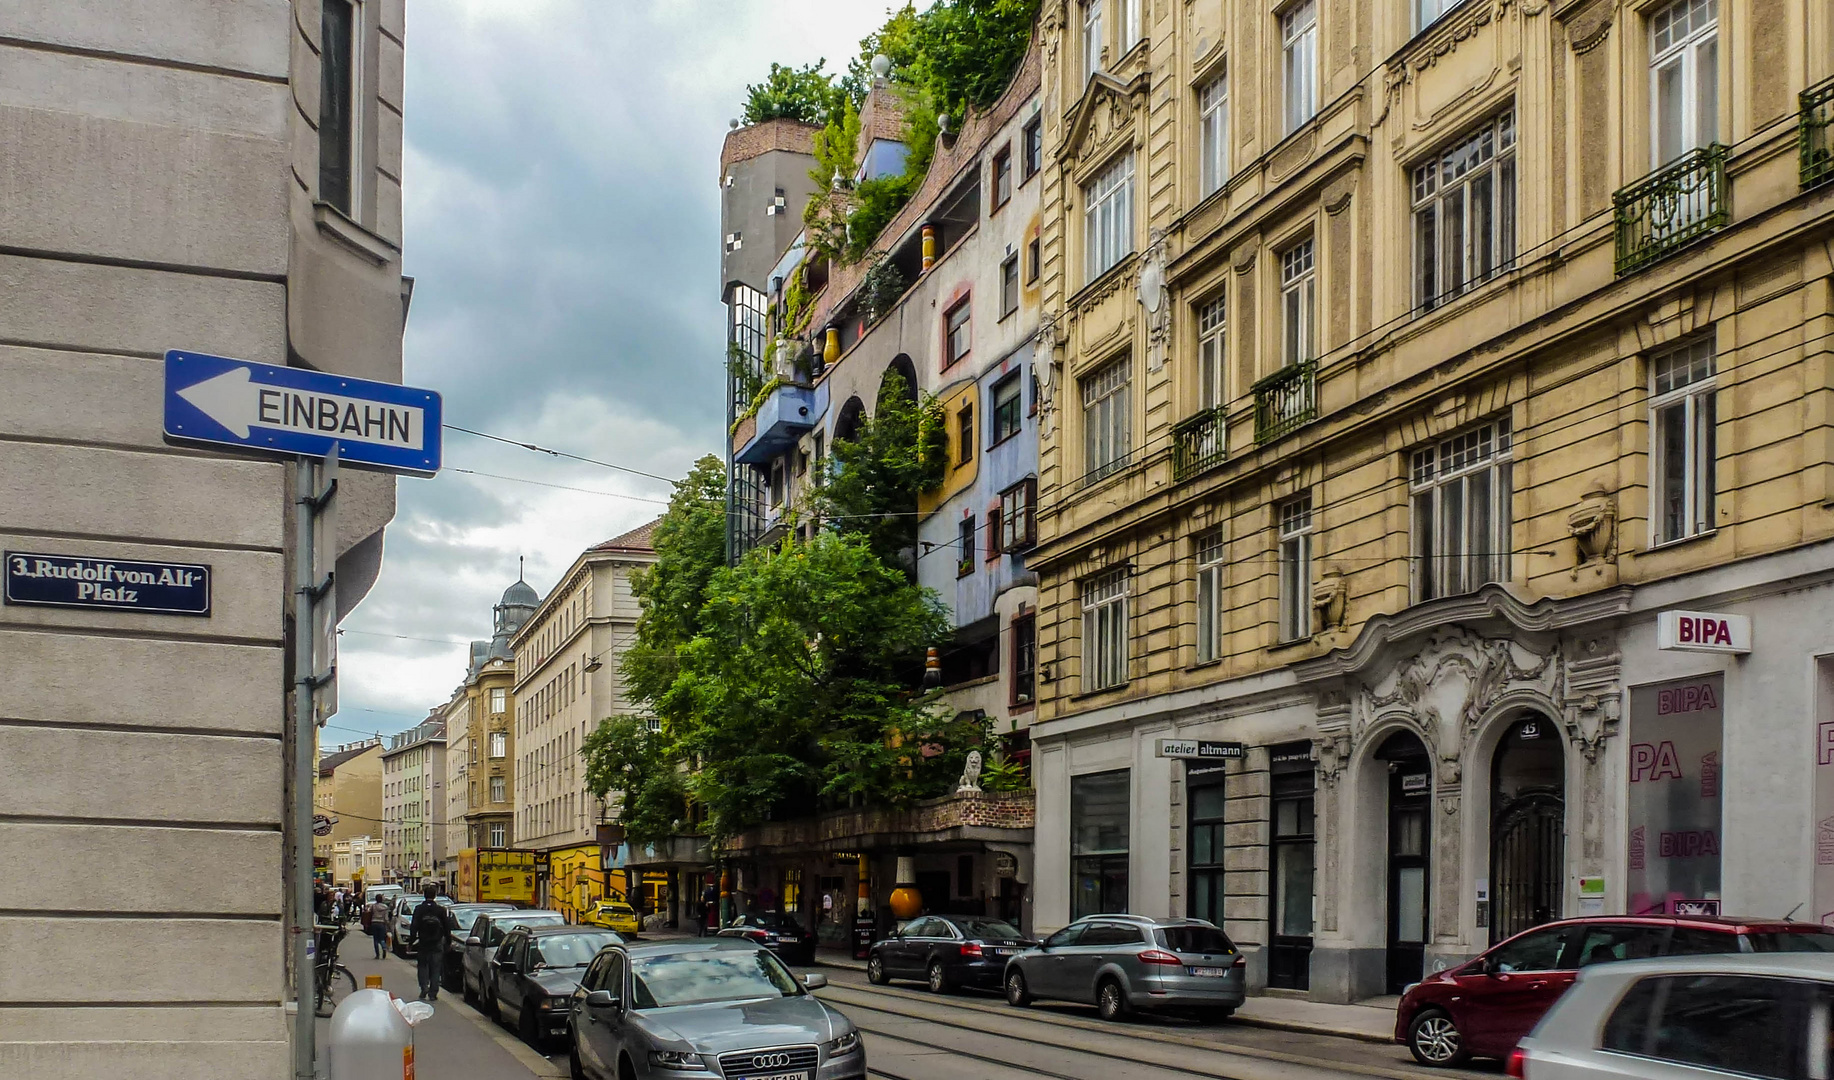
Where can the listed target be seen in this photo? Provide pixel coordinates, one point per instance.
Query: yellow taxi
(614, 915)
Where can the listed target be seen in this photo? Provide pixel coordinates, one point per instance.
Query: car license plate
(791, 940)
(1209, 972)
(774, 1076)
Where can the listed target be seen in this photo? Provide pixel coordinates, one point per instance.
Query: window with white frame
(1427, 12)
(1210, 357)
(1465, 213)
(1683, 79)
(1131, 27)
(1213, 133)
(1462, 518)
(1105, 630)
(1108, 216)
(499, 744)
(1107, 420)
(499, 834)
(1092, 38)
(1299, 45)
(499, 700)
(498, 790)
(1298, 299)
(1296, 569)
(1019, 515)
(1682, 411)
(1209, 595)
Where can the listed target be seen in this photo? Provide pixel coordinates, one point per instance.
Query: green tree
(625, 756)
(875, 478)
(806, 94)
(798, 686)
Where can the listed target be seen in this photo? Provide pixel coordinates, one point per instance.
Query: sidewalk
(1369, 1021)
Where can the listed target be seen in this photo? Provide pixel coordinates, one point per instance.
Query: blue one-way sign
(286, 410)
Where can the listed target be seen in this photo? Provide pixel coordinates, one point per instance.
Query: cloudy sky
(562, 225)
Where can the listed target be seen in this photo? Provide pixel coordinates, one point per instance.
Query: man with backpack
(428, 930)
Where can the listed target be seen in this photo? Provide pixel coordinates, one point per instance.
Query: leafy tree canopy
(875, 478)
(690, 543)
(807, 94)
(625, 756)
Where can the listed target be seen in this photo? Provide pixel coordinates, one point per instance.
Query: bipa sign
(1702, 631)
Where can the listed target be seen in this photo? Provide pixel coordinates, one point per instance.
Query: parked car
(947, 951)
(1688, 1016)
(401, 915)
(1484, 1007)
(777, 932)
(452, 973)
(643, 1012)
(481, 944)
(1128, 962)
(538, 968)
(614, 915)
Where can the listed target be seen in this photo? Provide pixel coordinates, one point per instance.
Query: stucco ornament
(1329, 599)
(971, 775)
(1590, 721)
(1445, 689)
(1156, 299)
(1593, 526)
(1044, 364)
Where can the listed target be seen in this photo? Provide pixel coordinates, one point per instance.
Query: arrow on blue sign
(287, 410)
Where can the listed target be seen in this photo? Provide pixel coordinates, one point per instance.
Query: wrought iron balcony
(1286, 400)
(1671, 208)
(1815, 133)
(1197, 444)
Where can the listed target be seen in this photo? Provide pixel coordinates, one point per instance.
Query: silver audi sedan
(708, 1008)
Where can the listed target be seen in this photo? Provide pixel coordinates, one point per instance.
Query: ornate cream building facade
(1437, 407)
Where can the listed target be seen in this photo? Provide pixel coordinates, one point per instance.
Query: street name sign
(286, 410)
(1703, 631)
(1199, 748)
(84, 581)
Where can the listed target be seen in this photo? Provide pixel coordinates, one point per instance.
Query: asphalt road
(914, 1035)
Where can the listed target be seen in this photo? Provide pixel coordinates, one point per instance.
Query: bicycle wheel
(335, 985)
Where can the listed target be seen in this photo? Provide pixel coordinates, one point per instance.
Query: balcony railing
(1197, 444)
(1286, 400)
(1671, 208)
(1815, 133)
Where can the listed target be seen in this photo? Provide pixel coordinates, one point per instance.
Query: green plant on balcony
(1671, 208)
(881, 286)
(1197, 444)
(1814, 124)
(1286, 400)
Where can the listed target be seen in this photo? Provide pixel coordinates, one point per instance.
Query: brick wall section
(743, 144)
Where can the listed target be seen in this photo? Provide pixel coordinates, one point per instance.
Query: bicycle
(333, 982)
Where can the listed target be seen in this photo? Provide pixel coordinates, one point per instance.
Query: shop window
(1206, 841)
(1292, 882)
(1098, 843)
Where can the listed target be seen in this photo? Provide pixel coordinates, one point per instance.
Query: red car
(1483, 1008)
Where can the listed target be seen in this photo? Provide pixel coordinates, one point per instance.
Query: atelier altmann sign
(1676, 730)
(1199, 748)
(1703, 631)
(80, 581)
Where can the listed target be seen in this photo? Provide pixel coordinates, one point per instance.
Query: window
(1292, 883)
(499, 744)
(955, 333)
(1092, 38)
(1206, 841)
(777, 485)
(1019, 515)
(1009, 286)
(1683, 79)
(340, 33)
(1025, 659)
(1682, 406)
(1031, 154)
(1537, 951)
(1298, 298)
(1606, 943)
(1209, 595)
(1296, 569)
(498, 791)
(964, 541)
(1032, 261)
(1098, 844)
(1105, 630)
(1461, 496)
(1427, 12)
(1002, 177)
(1107, 426)
(1008, 408)
(1299, 40)
(964, 428)
(1130, 25)
(499, 700)
(1213, 133)
(1465, 213)
(1108, 216)
(1741, 1024)
(1210, 319)
(499, 834)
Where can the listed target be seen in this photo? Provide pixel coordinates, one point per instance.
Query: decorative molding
(1433, 45)
(1242, 259)
(1106, 108)
(1336, 196)
(1588, 28)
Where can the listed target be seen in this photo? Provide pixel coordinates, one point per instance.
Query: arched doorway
(906, 371)
(1527, 828)
(847, 425)
(1410, 822)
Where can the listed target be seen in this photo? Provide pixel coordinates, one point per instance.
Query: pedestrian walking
(428, 930)
(375, 924)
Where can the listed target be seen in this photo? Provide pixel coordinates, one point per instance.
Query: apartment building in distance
(349, 792)
(567, 682)
(223, 178)
(414, 803)
(484, 706)
(1435, 511)
(456, 789)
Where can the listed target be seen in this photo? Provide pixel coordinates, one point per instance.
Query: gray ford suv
(1126, 962)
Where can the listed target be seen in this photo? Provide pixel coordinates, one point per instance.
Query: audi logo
(770, 1061)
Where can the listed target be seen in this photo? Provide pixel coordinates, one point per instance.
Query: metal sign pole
(305, 739)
